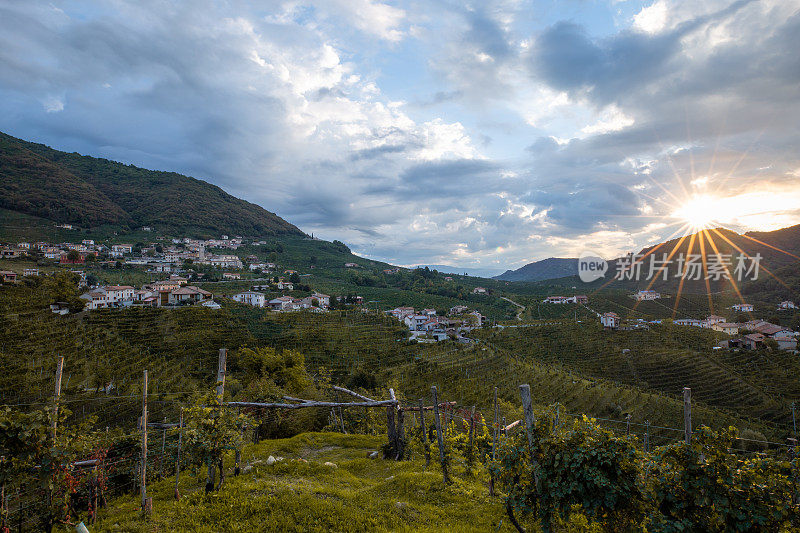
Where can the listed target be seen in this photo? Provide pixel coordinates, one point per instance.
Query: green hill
(92, 192)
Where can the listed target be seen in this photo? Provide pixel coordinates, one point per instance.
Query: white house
(787, 305)
(284, 303)
(646, 295)
(401, 313)
(746, 308)
(231, 275)
(479, 290)
(710, 320)
(687, 322)
(256, 299)
(188, 294)
(324, 300)
(610, 320)
(285, 286)
(414, 322)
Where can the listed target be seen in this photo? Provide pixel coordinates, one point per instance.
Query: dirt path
(521, 307)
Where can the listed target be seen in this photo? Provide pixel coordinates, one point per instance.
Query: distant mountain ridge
(550, 268)
(777, 249)
(92, 192)
(475, 272)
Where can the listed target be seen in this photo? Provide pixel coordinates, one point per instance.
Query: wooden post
(146, 502)
(238, 459)
(222, 364)
(57, 395)
(438, 422)
(527, 409)
(163, 449)
(687, 414)
(341, 418)
(391, 434)
(425, 446)
(470, 439)
(628, 424)
(178, 456)
(505, 432)
(400, 435)
(646, 436)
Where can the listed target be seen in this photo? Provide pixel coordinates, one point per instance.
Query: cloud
(442, 133)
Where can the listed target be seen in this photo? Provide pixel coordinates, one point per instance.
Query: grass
(359, 494)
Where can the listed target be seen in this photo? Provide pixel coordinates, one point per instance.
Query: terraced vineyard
(664, 359)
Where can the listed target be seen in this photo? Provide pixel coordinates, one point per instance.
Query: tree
(73, 256)
(294, 278)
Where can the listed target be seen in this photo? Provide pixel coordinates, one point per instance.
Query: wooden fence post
(687, 414)
(425, 446)
(527, 409)
(147, 505)
(438, 422)
(57, 395)
(471, 438)
(341, 418)
(178, 456)
(391, 434)
(163, 450)
(400, 435)
(222, 365)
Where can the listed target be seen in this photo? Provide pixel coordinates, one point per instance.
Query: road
(521, 307)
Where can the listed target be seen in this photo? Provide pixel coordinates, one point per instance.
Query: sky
(483, 134)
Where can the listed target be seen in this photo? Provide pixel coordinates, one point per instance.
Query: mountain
(91, 192)
(550, 268)
(475, 272)
(777, 249)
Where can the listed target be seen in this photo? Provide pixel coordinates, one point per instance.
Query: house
(258, 266)
(753, 324)
(428, 312)
(60, 308)
(687, 322)
(351, 265)
(8, 276)
(414, 322)
(401, 313)
(285, 286)
(447, 278)
(211, 304)
(323, 300)
(10, 253)
(753, 341)
(256, 299)
(646, 295)
(476, 319)
(391, 270)
(771, 330)
(284, 303)
(710, 320)
(187, 295)
(181, 281)
(726, 327)
(457, 309)
(581, 299)
(109, 296)
(118, 250)
(65, 260)
(231, 275)
(610, 320)
(87, 242)
(786, 342)
(480, 290)
(554, 300)
(787, 304)
(164, 285)
(746, 308)
(30, 272)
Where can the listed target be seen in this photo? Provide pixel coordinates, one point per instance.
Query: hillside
(91, 192)
(550, 268)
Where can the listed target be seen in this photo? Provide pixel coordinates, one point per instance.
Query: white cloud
(53, 104)
(653, 18)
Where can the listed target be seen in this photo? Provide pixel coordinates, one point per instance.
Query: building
(8, 276)
(186, 295)
(688, 322)
(118, 250)
(231, 275)
(787, 304)
(284, 303)
(726, 327)
(285, 286)
(30, 272)
(480, 290)
(211, 304)
(610, 320)
(581, 299)
(646, 295)
(323, 300)
(457, 309)
(400, 313)
(256, 299)
(415, 322)
(710, 320)
(351, 265)
(745, 308)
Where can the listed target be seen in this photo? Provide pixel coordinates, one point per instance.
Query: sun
(700, 211)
